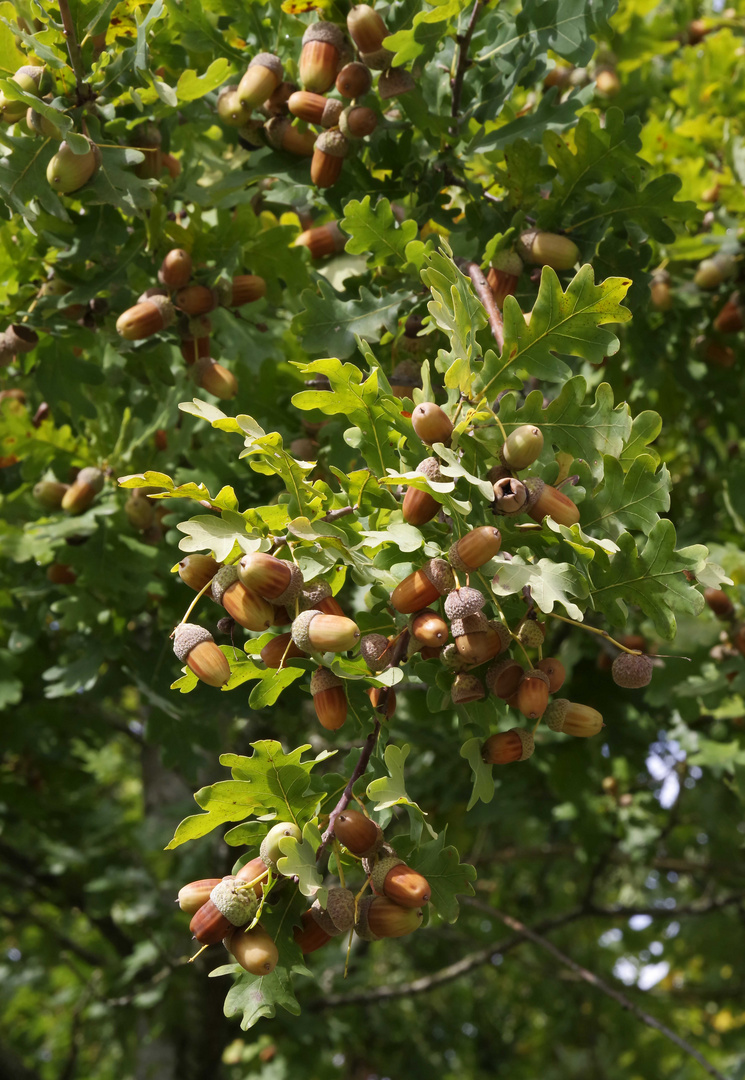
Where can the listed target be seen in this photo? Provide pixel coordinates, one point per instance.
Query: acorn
(68, 172)
(510, 496)
(395, 82)
(149, 141)
(374, 649)
(270, 850)
(145, 319)
(419, 507)
(276, 103)
(354, 80)
(329, 152)
(175, 270)
(253, 870)
(196, 300)
(315, 108)
(83, 490)
(50, 493)
(475, 645)
(547, 249)
(367, 30)
(247, 608)
(279, 650)
(429, 628)
(274, 579)
(253, 949)
(394, 879)
(359, 834)
(29, 80)
(379, 917)
(504, 677)
(313, 631)
(553, 669)
(229, 108)
(139, 510)
(15, 394)
(547, 501)
(311, 936)
(573, 719)
(659, 291)
(531, 633)
(243, 289)
(431, 424)
(730, 318)
(503, 275)
(463, 601)
(196, 570)
(18, 339)
(322, 240)
(358, 121)
(717, 355)
(406, 375)
(466, 688)
(194, 348)
(192, 896)
(42, 125)
(264, 75)
(632, 671)
(475, 549)
(226, 905)
(317, 594)
(522, 447)
(532, 694)
(717, 600)
(329, 698)
(281, 134)
(61, 574)
(607, 82)
(422, 587)
(517, 744)
(382, 699)
(321, 56)
(214, 378)
(196, 647)
(713, 271)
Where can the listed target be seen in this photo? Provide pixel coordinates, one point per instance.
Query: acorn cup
(359, 834)
(379, 917)
(476, 548)
(317, 594)
(329, 698)
(503, 275)
(230, 110)
(383, 700)
(431, 424)
(314, 631)
(196, 300)
(214, 378)
(82, 491)
(522, 447)
(466, 688)
(532, 694)
(419, 507)
(422, 587)
(375, 651)
(510, 496)
(253, 949)
(279, 650)
(429, 628)
(394, 82)
(29, 80)
(282, 135)
(226, 908)
(321, 56)
(265, 73)
(547, 501)
(322, 240)
(315, 108)
(367, 30)
(632, 672)
(247, 608)
(330, 149)
(358, 121)
(196, 570)
(145, 319)
(49, 494)
(175, 270)
(195, 647)
(16, 340)
(540, 248)
(394, 879)
(517, 744)
(573, 719)
(192, 896)
(276, 103)
(504, 678)
(354, 80)
(274, 579)
(68, 172)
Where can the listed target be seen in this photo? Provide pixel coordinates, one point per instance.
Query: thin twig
(464, 43)
(486, 296)
(76, 57)
(346, 795)
(594, 980)
(334, 515)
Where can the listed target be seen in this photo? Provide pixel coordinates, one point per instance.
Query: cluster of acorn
(228, 909)
(733, 638)
(73, 498)
(180, 300)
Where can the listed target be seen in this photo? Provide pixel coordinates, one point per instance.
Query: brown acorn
(214, 378)
(510, 496)
(322, 240)
(261, 80)
(547, 249)
(553, 669)
(276, 103)
(273, 578)
(422, 587)
(61, 574)
(253, 870)
(717, 599)
(394, 83)
(247, 608)
(367, 30)
(243, 289)
(431, 424)
(532, 694)
(503, 275)
(547, 501)
(314, 631)
(279, 650)
(507, 746)
(607, 82)
(321, 56)
(419, 507)
(329, 152)
(383, 700)
(192, 896)
(632, 671)
(394, 879)
(429, 628)
(82, 491)
(358, 121)
(253, 949)
(229, 108)
(208, 925)
(311, 936)
(504, 678)
(379, 917)
(329, 698)
(315, 108)
(196, 300)
(573, 719)
(359, 834)
(145, 319)
(196, 647)
(659, 291)
(175, 270)
(354, 80)
(476, 647)
(196, 570)
(730, 318)
(282, 135)
(475, 548)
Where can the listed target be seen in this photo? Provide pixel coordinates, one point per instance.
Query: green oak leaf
(375, 229)
(254, 996)
(646, 207)
(421, 40)
(299, 860)
(191, 86)
(631, 501)
(600, 153)
(456, 310)
(483, 778)
(328, 324)
(446, 874)
(390, 790)
(550, 583)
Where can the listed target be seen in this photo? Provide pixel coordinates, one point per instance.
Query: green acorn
(68, 172)
(29, 80)
(40, 125)
(270, 850)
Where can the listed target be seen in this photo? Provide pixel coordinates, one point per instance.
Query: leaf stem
(343, 803)
(194, 602)
(73, 48)
(463, 42)
(595, 630)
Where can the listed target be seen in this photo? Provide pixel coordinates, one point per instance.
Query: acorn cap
(186, 636)
(393, 82)
(504, 634)
(361, 925)
(332, 143)
(467, 688)
(323, 679)
(372, 647)
(527, 740)
(293, 588)
(238, 907)
(274, 131)
(534, 487)
(268, 60)
(462, 602)
(323, 919)
(223, 579)
(91, 476)
(300, 627)
(531, 633)
(555, 713)
(536, 673)
(340, 908)
(312, 593)
(325, 31)
(632, 671)
(440, 574)
(451, 659)
(380, 870)
(477, 623)
(508, 262)
(430, 468)
(511, 495)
